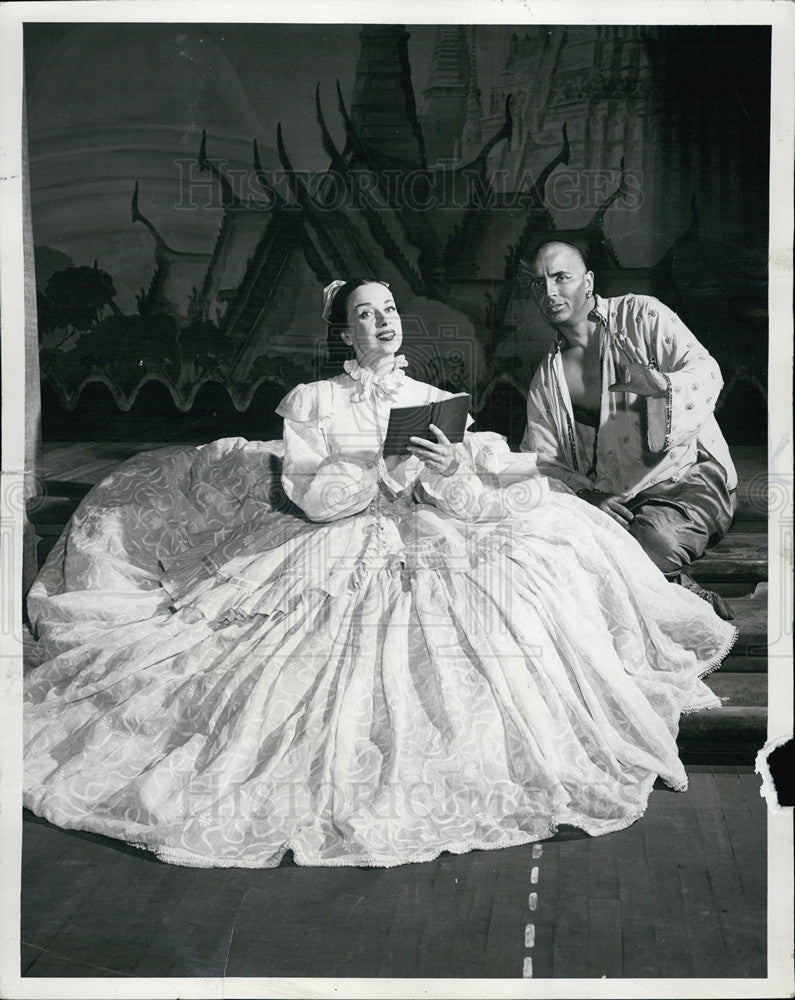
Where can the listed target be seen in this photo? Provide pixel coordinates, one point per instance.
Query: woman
(431, 653)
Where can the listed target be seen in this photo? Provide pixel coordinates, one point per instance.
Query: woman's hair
(338, 350)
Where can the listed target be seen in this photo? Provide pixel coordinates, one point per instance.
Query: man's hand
(610, 504)
(641, 380)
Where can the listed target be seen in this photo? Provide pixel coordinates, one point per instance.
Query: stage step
(737, 689)
(738, 663)
(51, 512)
(750, 619)
(740, 557)
(732, 733)
(725, 735)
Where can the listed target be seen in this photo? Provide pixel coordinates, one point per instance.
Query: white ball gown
(388, 665)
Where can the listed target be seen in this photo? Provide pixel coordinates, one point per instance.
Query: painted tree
(77, 297)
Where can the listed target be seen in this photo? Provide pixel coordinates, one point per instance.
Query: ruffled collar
(369, 385)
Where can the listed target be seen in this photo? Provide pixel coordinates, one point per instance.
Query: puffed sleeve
(490, 481)
(548, 438)
(693, 380)
(325, 486)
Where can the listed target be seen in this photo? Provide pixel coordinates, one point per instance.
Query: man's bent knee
(664, 544)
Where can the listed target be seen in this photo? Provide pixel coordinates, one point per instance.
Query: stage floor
(680, 893)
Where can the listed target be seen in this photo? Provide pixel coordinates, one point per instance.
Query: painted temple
(441, 192)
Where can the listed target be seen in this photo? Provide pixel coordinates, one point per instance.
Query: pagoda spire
(353, 144)
(472, 133)
(308, 211)
(447, 93)
(297, 188)
(383, 110)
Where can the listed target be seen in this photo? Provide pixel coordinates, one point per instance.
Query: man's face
(561, 284)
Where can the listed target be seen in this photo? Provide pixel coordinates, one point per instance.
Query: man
(621, 411)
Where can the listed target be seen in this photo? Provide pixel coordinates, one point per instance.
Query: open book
(449, 415)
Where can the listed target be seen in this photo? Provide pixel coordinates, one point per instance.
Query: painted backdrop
(193, 187)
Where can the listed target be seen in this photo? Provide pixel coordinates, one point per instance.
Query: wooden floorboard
(639, 955)
(672, 940)
(604, 938)
(700, 920)
(436, 941)
(569, 900)
(570, 955)
(467, 951)
(50, 903)
(738, 917)
(751, 794)
(401, 948)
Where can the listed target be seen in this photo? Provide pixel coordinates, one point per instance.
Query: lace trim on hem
(690, 710)
(711, 667)
(719, 657)
(362, 860)
(176, 856)
(677, 786)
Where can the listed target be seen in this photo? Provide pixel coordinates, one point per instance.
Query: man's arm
(693, 382)
(678, 377)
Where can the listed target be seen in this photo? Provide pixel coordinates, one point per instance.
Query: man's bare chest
(583, 376)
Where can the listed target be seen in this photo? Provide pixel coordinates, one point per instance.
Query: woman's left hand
(438, 455)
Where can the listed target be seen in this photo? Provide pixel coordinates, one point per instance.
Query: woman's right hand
(439, 456)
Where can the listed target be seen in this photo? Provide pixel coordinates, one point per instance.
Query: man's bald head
(561, 283)
(550, 247)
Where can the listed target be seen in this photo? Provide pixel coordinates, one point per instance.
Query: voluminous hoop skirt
(220, 680)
